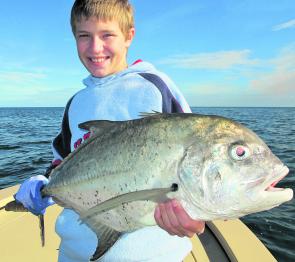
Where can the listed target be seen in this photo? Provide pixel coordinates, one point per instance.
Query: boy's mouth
(98, 60)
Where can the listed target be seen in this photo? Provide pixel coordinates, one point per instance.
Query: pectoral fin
(107, 238)
(156, 195)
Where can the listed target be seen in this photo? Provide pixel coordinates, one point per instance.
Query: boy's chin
(104, 73)
(99, 73)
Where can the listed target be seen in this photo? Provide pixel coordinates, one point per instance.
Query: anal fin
(106, 239)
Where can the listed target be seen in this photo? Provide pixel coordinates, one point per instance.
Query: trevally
(215, 167)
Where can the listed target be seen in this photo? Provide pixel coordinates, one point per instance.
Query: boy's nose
(96, 45)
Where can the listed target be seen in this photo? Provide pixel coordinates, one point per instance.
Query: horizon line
(2, 107)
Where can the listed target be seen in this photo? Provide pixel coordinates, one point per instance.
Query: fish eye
(239, 152)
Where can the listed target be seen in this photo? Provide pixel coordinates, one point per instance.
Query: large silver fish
(215, 167)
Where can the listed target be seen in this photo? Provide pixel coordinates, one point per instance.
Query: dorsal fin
(98, 126)
(148, 114)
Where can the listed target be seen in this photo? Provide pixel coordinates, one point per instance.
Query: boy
(104, 30)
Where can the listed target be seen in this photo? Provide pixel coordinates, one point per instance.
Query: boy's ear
(130, 36)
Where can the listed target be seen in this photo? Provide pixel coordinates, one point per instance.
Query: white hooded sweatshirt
(122, 96)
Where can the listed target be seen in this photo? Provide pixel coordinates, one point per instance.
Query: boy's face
(102, 46)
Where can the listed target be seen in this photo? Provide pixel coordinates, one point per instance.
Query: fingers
(172, 217)
(169, 221)
(190, 225)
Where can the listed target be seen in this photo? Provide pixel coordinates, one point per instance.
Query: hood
(137, 67)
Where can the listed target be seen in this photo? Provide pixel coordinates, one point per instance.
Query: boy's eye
(83, 35)
(108, 35)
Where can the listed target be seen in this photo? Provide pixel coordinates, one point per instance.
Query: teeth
(98, 60)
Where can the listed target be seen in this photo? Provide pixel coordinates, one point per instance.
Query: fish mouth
(271, 186)
(274, 196)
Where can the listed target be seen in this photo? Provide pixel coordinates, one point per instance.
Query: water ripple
(8, 147)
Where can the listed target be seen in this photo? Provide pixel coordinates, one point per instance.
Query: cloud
(231, 94)
(221, 94)
(236, 71)
(211, 88)
(20, 77)
(281, 80)
(286, 25)
(35, 94)
(221, 60)
(277, 83)
(285, 58)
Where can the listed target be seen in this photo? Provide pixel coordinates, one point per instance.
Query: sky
(218, 52)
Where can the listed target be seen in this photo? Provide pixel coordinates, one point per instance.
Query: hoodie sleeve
(61, 145)
(172, 99)
(176, 94)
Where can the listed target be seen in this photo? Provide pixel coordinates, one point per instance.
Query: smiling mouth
(98, 59)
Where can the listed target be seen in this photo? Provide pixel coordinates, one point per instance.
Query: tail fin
(16, 206)
(42, 229)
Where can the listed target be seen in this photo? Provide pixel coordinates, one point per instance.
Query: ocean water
(25, 150)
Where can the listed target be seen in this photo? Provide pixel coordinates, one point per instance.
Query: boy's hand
(172, 217)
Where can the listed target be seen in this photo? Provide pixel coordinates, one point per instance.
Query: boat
(222, 240)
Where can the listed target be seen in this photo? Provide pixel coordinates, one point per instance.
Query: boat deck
(222, 241)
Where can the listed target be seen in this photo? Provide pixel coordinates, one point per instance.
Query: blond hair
(118, 10)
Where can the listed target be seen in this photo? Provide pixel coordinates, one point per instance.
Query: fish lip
(271, 185)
